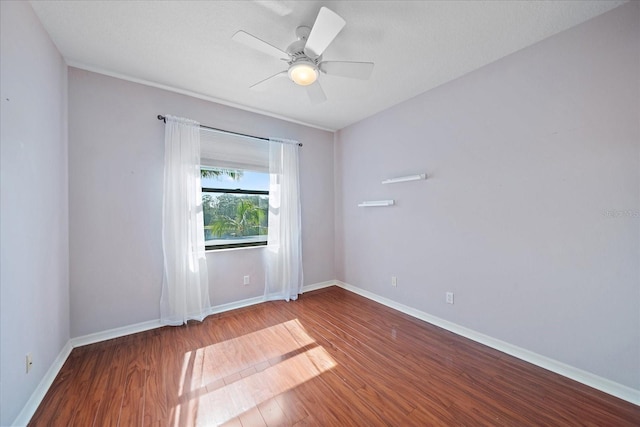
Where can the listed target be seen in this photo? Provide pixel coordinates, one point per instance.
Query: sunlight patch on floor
(224, 380)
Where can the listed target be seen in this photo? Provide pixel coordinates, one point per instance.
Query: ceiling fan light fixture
(303, 73)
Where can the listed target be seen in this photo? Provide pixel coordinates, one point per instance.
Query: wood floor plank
(369, 383)
(111, 400)
(329, 358)
(92, 393)
(252, 418)
(292, 406)
(272, 414)
(155, 397)
(133, 399)
(394, 362)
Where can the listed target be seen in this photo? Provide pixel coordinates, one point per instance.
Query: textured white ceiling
(416, 46)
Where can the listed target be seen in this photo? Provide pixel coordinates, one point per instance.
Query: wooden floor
(331, 358)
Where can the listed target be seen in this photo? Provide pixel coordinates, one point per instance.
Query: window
(235, 205)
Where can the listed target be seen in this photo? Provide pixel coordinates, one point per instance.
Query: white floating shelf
(405, 178)
(376, 203)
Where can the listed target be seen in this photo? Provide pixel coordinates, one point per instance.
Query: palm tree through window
(235, 206)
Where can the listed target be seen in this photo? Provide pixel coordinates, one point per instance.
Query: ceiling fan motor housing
(302, 32)
(303, 70)
(296, 49)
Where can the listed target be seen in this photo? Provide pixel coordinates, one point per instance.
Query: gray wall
(116, 149)
(532, 207)
(34, 252)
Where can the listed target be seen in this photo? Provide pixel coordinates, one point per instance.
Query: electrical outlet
(394, 281)
(449, 297)
(29, 361)
(247, 280)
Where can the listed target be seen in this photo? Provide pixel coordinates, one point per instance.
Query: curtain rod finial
(161, 117)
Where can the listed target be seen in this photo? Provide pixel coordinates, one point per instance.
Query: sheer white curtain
(284, 241)
(185, 290)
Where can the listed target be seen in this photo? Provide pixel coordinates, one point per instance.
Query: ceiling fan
(304, 56)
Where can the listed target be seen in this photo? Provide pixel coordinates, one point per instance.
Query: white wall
(34, 252)
(532, 207)
(116, 149)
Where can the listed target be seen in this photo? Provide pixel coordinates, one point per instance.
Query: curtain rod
(161, 117)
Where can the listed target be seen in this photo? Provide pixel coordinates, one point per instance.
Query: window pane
(235, 218)
(233, 179)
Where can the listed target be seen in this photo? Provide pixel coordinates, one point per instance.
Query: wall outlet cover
(449, 297)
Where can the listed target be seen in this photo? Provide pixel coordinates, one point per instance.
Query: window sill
(237, 243)
(213, 251)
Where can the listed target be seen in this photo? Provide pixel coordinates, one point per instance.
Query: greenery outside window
(235, 206)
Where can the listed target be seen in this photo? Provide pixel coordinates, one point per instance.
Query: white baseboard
(34, 401)
(153, 324)
(114, 333)
(316, 286)
(235, 305)
(599, 383)
(607, 386)
(38, 394)
(36, 397)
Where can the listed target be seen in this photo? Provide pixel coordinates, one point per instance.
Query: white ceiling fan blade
(260, 45)
(327, 26)
(353, 70)
(316, 94)
(264, 84)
